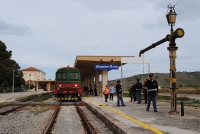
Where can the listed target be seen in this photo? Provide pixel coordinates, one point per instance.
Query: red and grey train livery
(68, 84)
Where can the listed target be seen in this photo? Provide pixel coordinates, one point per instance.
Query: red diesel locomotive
(68, 84)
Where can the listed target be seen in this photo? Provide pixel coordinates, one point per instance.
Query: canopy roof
(86, 63)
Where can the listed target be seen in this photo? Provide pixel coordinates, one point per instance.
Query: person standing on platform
(138, 87)
(95, 90)
(91, 90)
(152, 90)
(112, 91)
(145, 91)
(131, 92)
(134, 91)
(119, 94)
(22, 88)
(106, 92)
(86, 89)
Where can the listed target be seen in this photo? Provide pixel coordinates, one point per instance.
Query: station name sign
(106, 67)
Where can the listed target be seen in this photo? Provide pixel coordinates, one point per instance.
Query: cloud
(109, 5)
(7, 28)
(66, 29)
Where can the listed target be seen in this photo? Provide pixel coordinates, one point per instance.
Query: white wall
(35, 75)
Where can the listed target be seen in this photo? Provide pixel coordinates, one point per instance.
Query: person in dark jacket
(91, 89)
(134, 91)
(95, 90)
(86, 89)
(131, 92)
(119, 93)
(145, 91)
(152, 89)
(138, 87)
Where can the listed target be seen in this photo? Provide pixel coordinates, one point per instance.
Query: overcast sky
(49, 34)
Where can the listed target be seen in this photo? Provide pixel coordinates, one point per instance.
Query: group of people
(149, 88)
(111, 91)
(89, 90)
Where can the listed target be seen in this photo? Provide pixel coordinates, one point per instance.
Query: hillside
(184, 79)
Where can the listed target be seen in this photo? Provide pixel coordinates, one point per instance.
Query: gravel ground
(68, 122)
(30, 120)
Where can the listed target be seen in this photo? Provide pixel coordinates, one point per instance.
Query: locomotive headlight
(75, 85)
(60, 85)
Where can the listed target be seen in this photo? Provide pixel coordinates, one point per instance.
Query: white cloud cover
(49, 34)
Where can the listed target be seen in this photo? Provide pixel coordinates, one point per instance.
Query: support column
(92, 79)
(85, 80)
(97, 81)
(49, 86)
(104, 80)
(37, 86)
(88, 80)
(172, 56)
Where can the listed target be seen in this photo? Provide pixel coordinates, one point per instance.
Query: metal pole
(13, 82)
(124, 82)
(122, 78)
(149, 67)
(143, 69)
(29, 81)
(182, 108)
(172, 56)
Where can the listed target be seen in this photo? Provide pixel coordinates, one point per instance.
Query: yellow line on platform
(89, 99)
(3, 100)
(132, 119)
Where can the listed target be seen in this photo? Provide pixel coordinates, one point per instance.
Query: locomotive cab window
(62, 75)
(73, 75)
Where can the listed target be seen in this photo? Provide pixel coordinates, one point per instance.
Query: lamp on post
(171, 16)
(171, 19)
(13, 81)
(124, 83)
(29, 81)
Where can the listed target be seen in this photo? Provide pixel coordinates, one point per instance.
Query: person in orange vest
(106, 92)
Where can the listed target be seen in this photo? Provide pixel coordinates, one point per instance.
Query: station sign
(106, 67)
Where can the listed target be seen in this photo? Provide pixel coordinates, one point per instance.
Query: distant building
(37, 77)
(32, 73)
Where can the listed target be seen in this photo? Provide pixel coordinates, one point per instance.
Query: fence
(9, 89)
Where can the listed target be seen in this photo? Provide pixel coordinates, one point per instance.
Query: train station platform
(11, 97)
(133, 118)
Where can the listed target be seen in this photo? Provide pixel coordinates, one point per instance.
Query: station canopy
(86, 63)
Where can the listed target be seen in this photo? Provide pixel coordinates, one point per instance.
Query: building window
(35, 76)
(25, 76)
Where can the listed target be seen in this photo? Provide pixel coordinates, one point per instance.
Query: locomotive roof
(67, 68)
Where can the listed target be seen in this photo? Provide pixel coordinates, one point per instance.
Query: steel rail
(6, 105)
(14, 109)
(88, 126)
(52, 121)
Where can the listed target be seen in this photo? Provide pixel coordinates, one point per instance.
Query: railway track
(88, 127)
(59, 122)
(8, 108)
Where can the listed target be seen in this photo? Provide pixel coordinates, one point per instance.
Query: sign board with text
(106, 67)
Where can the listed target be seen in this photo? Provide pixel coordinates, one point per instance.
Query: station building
(35, 76)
